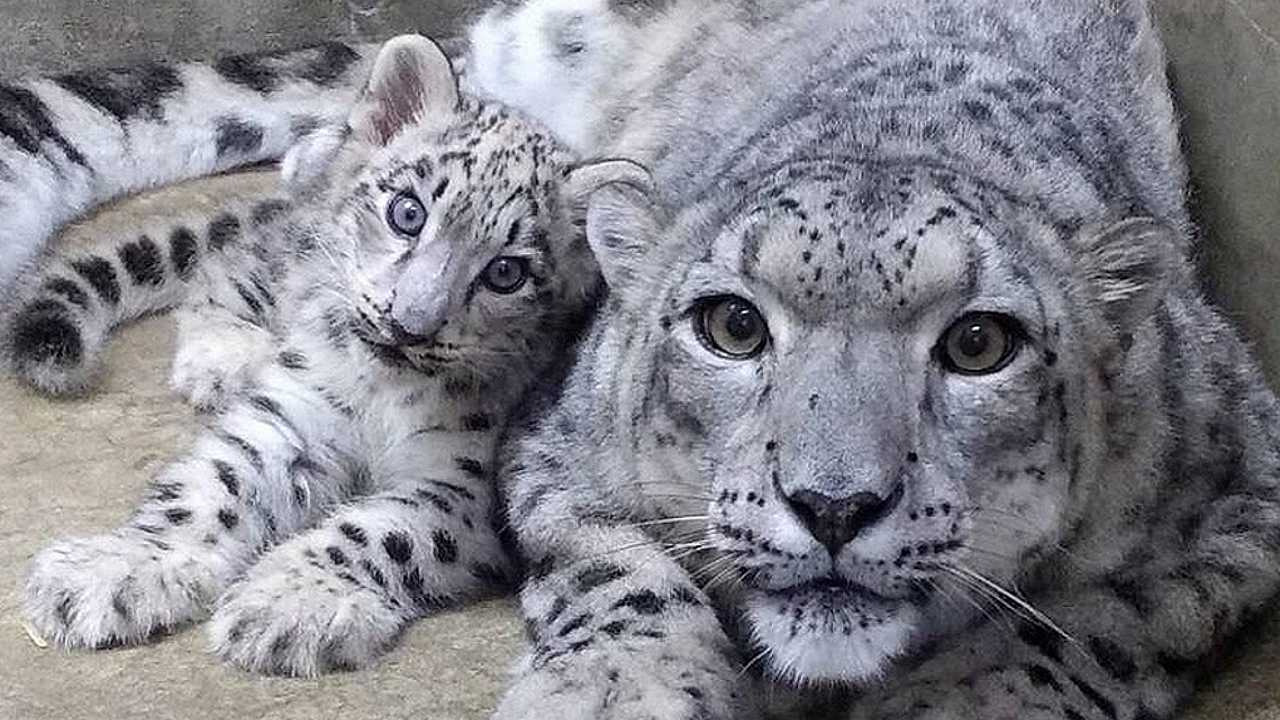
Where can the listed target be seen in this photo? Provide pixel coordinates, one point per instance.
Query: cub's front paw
(300, 614)
(213, 360)
(625, 686)
(117, 589)
(203, 381)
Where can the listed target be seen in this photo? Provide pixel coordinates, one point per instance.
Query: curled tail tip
(48, 350)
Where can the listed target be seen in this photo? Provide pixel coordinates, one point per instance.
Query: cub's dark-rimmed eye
(731, 327)
(505, 275)
(406, 214)
(980, 344)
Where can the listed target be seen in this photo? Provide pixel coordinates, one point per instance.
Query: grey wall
(48, 35)
(1225, 57)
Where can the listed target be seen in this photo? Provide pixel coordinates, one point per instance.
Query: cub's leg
(225, 331)
(337, 596)
(267, 467)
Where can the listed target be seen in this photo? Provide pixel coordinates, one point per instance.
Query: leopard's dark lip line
(833, 588)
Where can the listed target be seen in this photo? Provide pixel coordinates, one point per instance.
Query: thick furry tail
(71, 142)
(143, 257)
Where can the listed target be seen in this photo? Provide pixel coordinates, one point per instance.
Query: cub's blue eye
(505, 275)
(406, 214)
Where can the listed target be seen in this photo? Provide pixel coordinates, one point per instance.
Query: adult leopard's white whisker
(1013, 599)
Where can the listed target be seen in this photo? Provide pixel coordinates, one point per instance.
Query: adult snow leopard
(904, 383)
(368, 341)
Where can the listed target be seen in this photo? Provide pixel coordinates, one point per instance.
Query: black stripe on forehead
(1023, 276)
(390, 179)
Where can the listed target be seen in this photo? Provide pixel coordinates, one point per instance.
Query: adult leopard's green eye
(406, 214)
(731, 327)
(505, 275)
(979, 344)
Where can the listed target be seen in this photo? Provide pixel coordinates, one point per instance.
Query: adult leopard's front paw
(117, 589)
(626, 686)
(300, 616)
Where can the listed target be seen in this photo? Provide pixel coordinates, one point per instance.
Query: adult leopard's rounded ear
(1129, 266)
(615, 199)
(412, 79)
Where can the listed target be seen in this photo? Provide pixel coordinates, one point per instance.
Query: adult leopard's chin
(821, 634)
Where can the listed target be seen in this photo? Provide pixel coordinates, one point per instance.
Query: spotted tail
(143, 257)
(71, 142)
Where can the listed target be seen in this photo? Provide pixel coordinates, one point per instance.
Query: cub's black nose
(834, 521)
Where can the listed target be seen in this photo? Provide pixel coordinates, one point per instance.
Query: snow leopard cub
(429, 272)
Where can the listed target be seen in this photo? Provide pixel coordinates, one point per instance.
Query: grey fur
(866, 173)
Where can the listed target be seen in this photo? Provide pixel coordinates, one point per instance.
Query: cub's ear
(412, 79)
(1129, 266)
(615, 200)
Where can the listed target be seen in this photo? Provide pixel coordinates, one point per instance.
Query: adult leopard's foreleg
(619, 630)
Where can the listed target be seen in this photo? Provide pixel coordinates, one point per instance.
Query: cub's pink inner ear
(412, 80)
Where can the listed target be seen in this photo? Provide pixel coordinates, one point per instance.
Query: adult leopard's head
(872, 395)
(448, 224)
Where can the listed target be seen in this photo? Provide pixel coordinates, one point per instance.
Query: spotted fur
(844, 518)
(343, 488)
(73, 141)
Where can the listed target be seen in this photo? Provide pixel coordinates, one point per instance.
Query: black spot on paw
(576, 623)
(354, 534)
(178, 516)
(425, 601)
(228, 518)
(374, 573)
(292, 360)
(227, 476)
(446, 548)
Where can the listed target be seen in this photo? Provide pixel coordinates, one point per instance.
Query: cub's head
(447, 225)
(874, 394)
